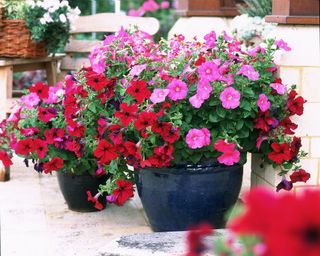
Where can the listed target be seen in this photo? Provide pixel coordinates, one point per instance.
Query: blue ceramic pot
(178, 197)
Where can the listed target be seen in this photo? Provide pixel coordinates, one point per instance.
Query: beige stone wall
(301, 66)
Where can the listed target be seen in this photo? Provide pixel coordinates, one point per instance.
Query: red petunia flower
(144, 120)
(288, 126)
(295, 104)
(162, 156)
(295, 146)
(54, 164)
(41, 89)
(97, 81)
(5, 158)
(139, 90)
(25, 147)
(116, 135)
(122, 193)
(105, 151)
(40, 147)
(75, 129)
(300, 175)
(288, 224)
(94, 199)
(127, 113)
(45, 114)
(281, 152)
(195, 239)
(170, 134)
(264, 121)
(54, 135)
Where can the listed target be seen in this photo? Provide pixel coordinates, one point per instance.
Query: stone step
(153, 244)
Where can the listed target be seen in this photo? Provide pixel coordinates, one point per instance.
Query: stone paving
(35, 220)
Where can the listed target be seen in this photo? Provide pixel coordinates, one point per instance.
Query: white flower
(43, 21)
(31, 3)
(64, 3)
(63, 18)
(47, 18)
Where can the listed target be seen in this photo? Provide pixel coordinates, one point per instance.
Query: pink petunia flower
(209, 71)
(229, 158)
(165, 5)
(280, 88)
(211, 39)
(30, 100)
(159, 95)
(150, 6)
(197, 138)
(282, 45)
(137, 69)
(97, 60)
(196, 101)
(206, 133)
(204, 89)
(263, 102)
(248, 71)
(230, 98)
(177, 90)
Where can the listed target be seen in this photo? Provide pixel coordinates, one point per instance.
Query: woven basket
(15, 40)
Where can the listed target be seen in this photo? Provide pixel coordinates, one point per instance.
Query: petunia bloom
(5, 158)
(279, 88)
(263, 102)
(41, 89)
(248, 71)
(105, 152)
(282, 45)
(209, 71)
(122, 193)
(280, 153)
(198, 138)
(204, 89)
(196, 101)
(94, 199)
(210, 39)
(230, 98)
(54, 164)
(177, 90)
(159, 95)
(139, 90)
(127, 113)
(300, 175)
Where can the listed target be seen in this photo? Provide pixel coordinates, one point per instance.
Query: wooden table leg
(6, 82)
(51, 70)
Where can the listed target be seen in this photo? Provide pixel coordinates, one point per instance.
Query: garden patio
(155, 139)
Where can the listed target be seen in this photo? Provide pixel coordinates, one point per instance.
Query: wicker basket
(15, 40)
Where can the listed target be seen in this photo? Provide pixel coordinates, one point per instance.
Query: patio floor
(35, 220)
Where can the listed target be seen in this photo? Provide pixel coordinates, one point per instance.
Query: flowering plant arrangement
(50, 21)
(147, 104)
(5, 139)
(266, 225)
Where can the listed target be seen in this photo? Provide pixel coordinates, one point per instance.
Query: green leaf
(221, 112)
(213, 118)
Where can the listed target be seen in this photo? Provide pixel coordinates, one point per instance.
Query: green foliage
(14, 9)
(260, 8)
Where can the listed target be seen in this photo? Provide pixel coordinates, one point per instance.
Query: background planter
(4, 174)
(74, 190)
(176, 198)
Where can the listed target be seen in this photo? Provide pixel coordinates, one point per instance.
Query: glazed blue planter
(176, 198)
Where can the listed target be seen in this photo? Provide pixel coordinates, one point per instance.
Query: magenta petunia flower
(159, 95)
(209, 71)
(230, 98)
(197, 138)
(248, 71)
(204, 89)
(177, 90)
(282, 45)
(210, 39)
(137, 69)
(263, 102)
(280, 88)
(196, 101)
(97, 60)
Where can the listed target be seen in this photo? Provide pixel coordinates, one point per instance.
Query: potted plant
(34, 28)
(5, 150)
(45, 134)
(184, 115)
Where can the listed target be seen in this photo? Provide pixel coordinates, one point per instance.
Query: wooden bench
(10, 65)
(77, 50)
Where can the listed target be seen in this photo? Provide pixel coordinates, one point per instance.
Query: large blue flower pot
(179, 197)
